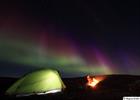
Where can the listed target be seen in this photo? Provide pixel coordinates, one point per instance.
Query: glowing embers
(93, 81)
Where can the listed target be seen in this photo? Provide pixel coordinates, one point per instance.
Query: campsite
(113, 87)
(69, 49)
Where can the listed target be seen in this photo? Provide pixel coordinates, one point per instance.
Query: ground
(113, 87)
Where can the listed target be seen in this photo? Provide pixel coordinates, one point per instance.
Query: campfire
(92, 81)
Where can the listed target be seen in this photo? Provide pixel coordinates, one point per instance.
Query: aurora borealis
(62, 57)
(75, 37)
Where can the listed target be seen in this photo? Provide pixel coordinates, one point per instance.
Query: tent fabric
(41, 81)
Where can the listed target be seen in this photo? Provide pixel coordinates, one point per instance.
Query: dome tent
(38, 82)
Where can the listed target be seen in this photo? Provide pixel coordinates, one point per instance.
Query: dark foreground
(114, 87)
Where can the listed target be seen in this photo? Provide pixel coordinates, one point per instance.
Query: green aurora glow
(31, 55)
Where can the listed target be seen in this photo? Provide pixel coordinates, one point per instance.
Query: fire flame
(92, 82)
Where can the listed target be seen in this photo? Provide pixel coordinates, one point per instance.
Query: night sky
(76, 37)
